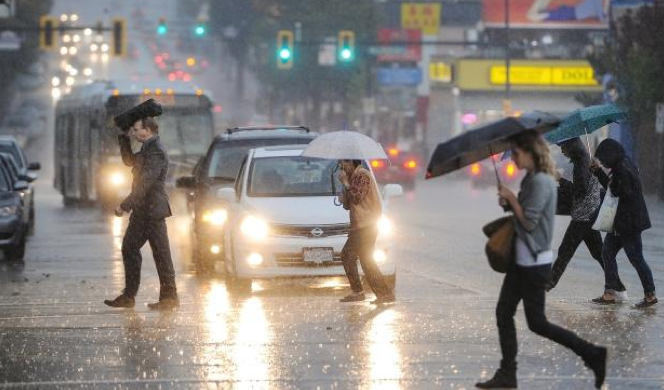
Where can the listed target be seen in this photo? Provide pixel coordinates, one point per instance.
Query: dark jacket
(632, 214)
(148, 198)
(584, 189)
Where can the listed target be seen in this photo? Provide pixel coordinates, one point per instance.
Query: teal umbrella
(585, 121)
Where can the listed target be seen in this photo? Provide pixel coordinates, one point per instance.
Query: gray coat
(538, 197)
(148, 198)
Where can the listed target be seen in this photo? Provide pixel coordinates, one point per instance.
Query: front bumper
(12, 230)
(283, 257)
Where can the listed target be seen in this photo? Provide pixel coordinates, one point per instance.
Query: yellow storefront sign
(440, 72)
(526, 75)
(543, 75)
(421, 16)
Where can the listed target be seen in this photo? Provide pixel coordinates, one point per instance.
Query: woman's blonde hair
(532, 142)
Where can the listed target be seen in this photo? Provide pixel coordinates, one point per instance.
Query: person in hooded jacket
(584, 190)
(630, 221)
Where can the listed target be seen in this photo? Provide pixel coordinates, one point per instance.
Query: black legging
(527, 284)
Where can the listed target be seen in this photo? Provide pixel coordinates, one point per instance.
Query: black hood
(610, 153)
(576, 150)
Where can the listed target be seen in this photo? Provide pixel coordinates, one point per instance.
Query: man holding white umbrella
(360, 197)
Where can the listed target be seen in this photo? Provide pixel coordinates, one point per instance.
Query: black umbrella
(485, 141)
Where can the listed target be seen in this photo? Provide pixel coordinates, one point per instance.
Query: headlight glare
(7, 211)
(215, 217)
(254, 228)
(379, 256)
(117, 179)
(385, 226)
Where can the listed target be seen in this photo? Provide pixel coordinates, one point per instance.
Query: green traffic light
(162, 29)
(285, 54)
(346, 53)
(200, 30)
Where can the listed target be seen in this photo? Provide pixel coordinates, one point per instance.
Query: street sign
(405, 53)
(440, 72)
(422, 16)
(399, 76)
(9, 41)
(659, 119)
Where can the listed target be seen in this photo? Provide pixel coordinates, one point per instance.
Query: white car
(284, 220)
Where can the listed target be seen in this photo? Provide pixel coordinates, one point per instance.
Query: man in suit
(148, 204)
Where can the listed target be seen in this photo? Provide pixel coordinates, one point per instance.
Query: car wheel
(17, 252)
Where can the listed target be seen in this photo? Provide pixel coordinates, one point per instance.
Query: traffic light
(200, 29)
(48, 28)
(162, 29)
(346, 46)
(285, 49)
(119, 39)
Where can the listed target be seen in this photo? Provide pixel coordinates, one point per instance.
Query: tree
(634, 55)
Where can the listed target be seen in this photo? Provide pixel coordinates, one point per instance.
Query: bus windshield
(185, 133)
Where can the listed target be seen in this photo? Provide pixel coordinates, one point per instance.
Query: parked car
(27, 193)
(402, 168)
(13, 224)
(283, 219)
(219, 169)
(26, 169)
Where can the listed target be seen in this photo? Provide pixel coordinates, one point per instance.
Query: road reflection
(216, 310)
(384, 355)
(250, 346)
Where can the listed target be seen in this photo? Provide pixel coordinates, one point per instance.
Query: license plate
(318, 255)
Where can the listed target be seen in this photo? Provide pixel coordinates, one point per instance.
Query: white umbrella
(345, 145)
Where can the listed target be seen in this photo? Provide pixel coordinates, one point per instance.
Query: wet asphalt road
(56, 333)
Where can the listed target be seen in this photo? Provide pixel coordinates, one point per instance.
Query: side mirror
(227, 194)
(35, 166)
(29, 177)
(392, 191)
(188, 182)
(21, 185)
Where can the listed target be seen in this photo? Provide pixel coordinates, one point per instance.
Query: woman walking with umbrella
(526, 279)
(584, 190)
(631, 219)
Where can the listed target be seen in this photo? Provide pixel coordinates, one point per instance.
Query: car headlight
(7, 211)
(117, 179)
(385, 226)
(254, 228)
(216, 217)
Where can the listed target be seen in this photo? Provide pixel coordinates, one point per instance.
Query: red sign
(547, 13)
(400, 52)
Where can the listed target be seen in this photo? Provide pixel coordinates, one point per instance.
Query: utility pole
(507, 104)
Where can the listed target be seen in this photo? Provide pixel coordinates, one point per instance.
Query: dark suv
(219, 169)
(13, 222)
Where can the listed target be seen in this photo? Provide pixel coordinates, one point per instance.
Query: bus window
(195, 132)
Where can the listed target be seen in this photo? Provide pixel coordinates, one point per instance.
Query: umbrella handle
(495, 168)
(334, 187)
(585, 129)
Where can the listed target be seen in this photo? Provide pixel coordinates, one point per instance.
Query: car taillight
(510, 169)
(475, 169)
(377, 164)
(393, 152)
(410, 164)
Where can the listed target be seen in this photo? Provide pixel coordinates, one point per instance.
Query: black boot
(595, 359)
(121, 301)
(505, 377)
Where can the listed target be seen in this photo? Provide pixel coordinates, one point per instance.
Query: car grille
(297, 260)
(309, 230)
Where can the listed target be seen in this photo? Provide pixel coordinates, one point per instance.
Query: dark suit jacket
(148, 198)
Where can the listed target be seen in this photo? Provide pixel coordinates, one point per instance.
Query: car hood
(318, 210)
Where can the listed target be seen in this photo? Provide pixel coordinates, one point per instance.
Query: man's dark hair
(150, 123)
(356, 163)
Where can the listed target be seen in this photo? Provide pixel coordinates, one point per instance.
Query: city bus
(88, 165)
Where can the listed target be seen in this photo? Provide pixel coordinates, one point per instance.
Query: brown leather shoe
(121, 301)
(386, 300)
(354, 297)
(165, 304)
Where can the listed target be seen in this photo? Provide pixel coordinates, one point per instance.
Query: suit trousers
(153, 231)
(527, 284)
(360, 243)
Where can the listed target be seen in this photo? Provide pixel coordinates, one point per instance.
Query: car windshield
(292, 176)
(227, 157)
(14, 152)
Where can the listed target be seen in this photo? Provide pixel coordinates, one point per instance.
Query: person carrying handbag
(526, 278)
(630, 221)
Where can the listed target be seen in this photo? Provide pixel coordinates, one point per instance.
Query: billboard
(403, 52)
(568, 14)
